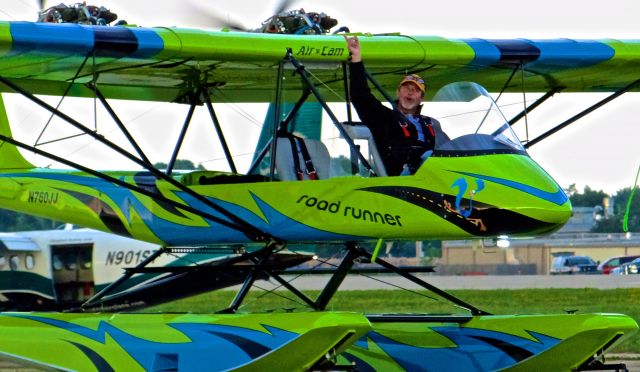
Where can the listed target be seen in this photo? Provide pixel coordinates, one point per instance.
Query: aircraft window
(85, 259)
(57, 262)
(3, 262)
(70, 262)
(66, 226)
(14, 262)
(29, 262)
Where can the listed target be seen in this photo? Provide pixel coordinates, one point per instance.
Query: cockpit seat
(286, 156)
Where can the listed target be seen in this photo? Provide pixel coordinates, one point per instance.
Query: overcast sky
(600, 151)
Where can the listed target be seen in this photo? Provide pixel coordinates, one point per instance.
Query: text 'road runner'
(348, 211)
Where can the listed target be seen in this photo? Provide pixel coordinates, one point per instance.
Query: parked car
(573, 265)
(629, 268)
(611, 263)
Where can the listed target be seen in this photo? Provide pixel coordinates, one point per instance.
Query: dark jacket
(396, 149)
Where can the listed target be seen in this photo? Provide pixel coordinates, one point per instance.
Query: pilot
(402, 135)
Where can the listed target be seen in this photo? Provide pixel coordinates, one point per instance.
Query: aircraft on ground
(480, 184)
(62, 268)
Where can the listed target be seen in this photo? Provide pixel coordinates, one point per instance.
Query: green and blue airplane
(480, 184)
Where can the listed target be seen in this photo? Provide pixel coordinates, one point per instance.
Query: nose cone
(525, 189)
(507, 194)
(536, 194)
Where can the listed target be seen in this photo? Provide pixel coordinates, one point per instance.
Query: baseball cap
(415, 79)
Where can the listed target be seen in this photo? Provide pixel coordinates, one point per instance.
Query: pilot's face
(409, 98)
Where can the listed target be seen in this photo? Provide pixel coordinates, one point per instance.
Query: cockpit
(468, 115)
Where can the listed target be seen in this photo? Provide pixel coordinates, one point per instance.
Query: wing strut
(583, 113)
(216, 124)
(248, 267)
(534, 105)
(119, 122)
(250, 280)
(231, 220)
(183, 133)
(524, 101)
(474, 310)
(193, 99)
(506, 84)
(347, 93)
(353, 253)
(66, 91)
(284, 124)
(276, 120)
(232, 267)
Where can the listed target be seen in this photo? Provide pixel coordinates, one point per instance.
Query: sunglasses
(415, 78)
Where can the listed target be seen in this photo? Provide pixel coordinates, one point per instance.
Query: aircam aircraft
(480, 184)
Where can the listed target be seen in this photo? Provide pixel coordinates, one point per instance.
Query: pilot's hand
(354, 48)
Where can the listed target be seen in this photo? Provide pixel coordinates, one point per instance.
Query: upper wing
(169, 64)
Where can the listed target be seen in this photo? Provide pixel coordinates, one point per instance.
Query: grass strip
(502, 301)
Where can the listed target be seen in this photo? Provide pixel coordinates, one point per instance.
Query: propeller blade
(41, 3)
(283, 5)
(205, 17)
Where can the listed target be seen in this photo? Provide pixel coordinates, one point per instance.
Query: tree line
(609, 210)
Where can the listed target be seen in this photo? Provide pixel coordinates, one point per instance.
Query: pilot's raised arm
(402, 135)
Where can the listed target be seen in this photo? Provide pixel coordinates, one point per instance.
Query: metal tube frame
(534, 105)
(180, 140)
(216, 124)
(583, 113)
(119, 122)
(238, 224)
(300, 69)
(282, 126)
(276, 120)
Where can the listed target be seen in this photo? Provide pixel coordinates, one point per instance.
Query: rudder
(10, 156)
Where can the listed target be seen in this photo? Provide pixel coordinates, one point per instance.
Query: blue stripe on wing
(73, 39)
(541, 55)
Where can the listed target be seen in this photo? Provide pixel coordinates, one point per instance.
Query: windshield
(471, 119)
